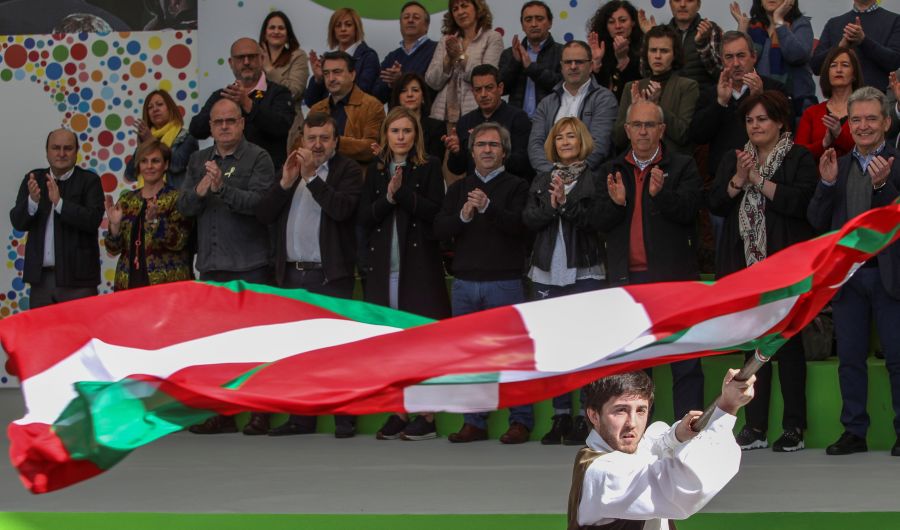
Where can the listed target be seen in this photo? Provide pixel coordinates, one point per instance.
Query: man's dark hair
(49, 134)
(420, 6)
(579, 43)
(319, 119)
(486, 69)
(537, 3)
(340, 56)
(602, 390)
(660, 32)
(733, 35)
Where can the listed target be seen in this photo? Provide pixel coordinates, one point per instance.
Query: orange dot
(96, 76)
(79, 122)
(4, 311)
(138, 69)
(98, 106)
(87, 147)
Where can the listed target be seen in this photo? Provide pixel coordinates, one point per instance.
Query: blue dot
(120, 136)
(20, 264)
(29, 43)
(17, 234)
(658, 3)
(11, 295)
(117, 102)
(188, 40)
(62, 107)
(18, 284)
(95, 121)
(93, 162)
(3, 379)
(84, 106)
(106, 92)
(128, 103)
(115, 164)
(40, 44)
(13, 254)
(192, 84)
(73, 98)
(1, 59)
(573, 3)
(568, 37)
(53, 71)
(114, 78)
(195, 108)
(86, 94)
(181, 95)
(143, 56)
(133, 47)
(114, 63)
(20, 75)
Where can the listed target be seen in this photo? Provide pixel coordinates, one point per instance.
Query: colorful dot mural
(97, 84)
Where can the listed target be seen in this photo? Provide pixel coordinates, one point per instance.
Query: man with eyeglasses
(648, 212)
(266, 107)
(223, 185)
(578, 95)
(488, 90)
(482, 213)
(866, 178)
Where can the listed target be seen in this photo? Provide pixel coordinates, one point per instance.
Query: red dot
(178, 34)
(11, 367)
(70, 68)
(125, 77)
(157, 60)
(43, 63)
(105, 138)
(109, 182)
(77, 89)
(157, 76)
(179, 56)
(182, 76)
(45, 54)
(33, 56)
(72, 81)
(78, 51)
(143, 86)
(15, 242)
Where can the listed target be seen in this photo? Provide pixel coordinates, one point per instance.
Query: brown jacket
(364, 117)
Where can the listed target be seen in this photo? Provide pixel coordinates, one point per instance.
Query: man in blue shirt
(414, 53)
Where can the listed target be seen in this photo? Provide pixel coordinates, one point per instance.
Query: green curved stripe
(382, 10)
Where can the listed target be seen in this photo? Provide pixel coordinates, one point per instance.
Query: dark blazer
(786, 222)
(546, 72)
(433, 130)
(266, 125)
(669, 220)
(828, 211)
(515, 121)
(579, 224)
(722, 127)
(338, 196)
(76, 247)
(422, 288)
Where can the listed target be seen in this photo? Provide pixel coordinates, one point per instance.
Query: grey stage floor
(318, 474)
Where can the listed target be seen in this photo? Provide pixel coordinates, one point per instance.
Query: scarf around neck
(752, 212)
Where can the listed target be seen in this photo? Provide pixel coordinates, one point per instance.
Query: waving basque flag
(104, 375)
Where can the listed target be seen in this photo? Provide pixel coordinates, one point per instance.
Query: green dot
(6, 74)
(194, 95)
(121, 51)
(113, 122)
(221, 61)
(126, 61)
(60, 96)
(60, 53)
(99, 48)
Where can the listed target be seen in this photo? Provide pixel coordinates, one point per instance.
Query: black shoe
(847, 444)
(344, 426)
(292, 427)
(750, 438)
(791, 440)
(895, 451)
(562, 425)
(419, 429)
(579, 433)
(392, 428)
(215, 425)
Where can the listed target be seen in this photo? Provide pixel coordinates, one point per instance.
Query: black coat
(545, 72)
(338, 196)
(76, 244)
(422, 288)
(434, 130)
(515, 121)
(668, 220)
(786, 222)
(579, 224)
(266, 125)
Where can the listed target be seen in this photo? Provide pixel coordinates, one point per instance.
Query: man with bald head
(60, 207)
(648, 210)
(222, 188)
(267, 107)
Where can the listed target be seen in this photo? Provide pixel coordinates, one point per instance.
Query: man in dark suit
(61, 208)
(267, 107)
(313, 207)
(648, 212)
(866, 178)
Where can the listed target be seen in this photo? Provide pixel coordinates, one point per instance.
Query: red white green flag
(104, 375)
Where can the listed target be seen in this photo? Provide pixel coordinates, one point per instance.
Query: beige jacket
(484, 49)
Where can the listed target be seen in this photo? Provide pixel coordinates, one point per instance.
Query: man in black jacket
(482, 212)
(488, 90)
(648, 212)
(61, 208)
(530, 68)
(267, 107)
(313, 207)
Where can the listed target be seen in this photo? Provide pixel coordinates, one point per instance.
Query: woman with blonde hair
(467, 42)
(346, 34)
(161, 119)
(403, 193)
(567, 257)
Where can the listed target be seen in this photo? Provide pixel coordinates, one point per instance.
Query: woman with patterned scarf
(162, 120)
(567, 256)
(762, 192)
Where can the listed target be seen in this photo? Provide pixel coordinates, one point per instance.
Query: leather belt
(305, 265)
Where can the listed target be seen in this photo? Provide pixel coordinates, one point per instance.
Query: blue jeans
(539, 291)
(859, 300)
(470, 296)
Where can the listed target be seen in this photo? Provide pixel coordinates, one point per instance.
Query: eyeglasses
(231, 122)
(482, 145)
(640, 125)
(252, 57)
(575, 62)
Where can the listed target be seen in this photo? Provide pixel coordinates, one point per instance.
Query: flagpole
(751, 367)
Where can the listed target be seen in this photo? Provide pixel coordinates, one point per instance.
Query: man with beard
(631, 476)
